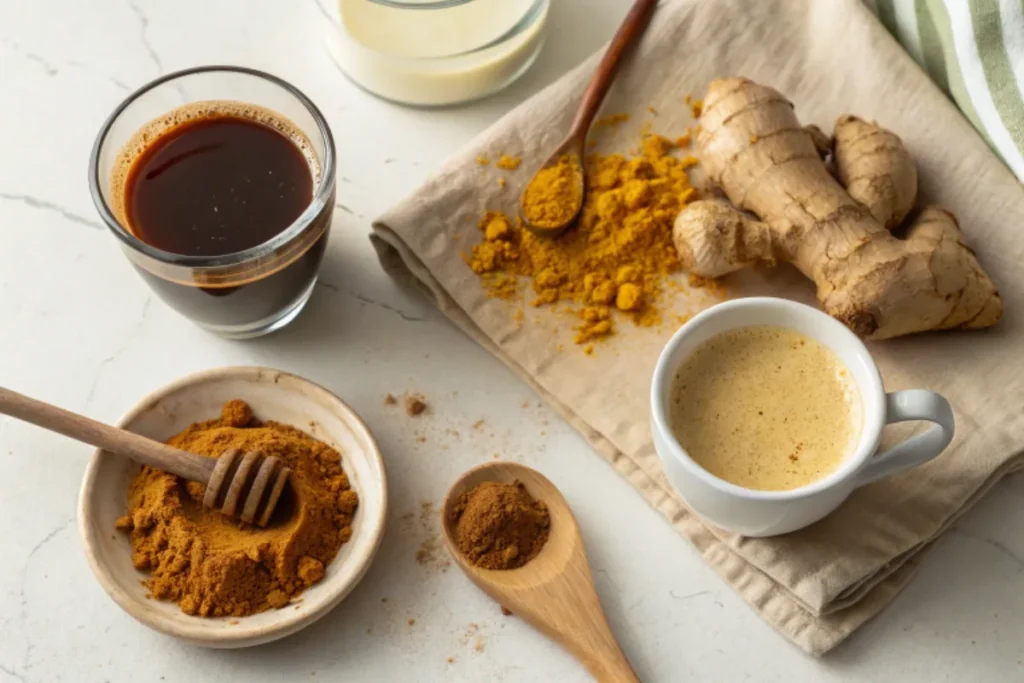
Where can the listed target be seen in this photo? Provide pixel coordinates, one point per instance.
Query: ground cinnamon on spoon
(500, 526)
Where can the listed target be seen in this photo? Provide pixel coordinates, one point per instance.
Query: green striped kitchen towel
(974, 50)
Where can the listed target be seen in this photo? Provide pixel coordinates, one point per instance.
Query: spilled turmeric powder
(619, 253)
(508, 163)
(611, 121)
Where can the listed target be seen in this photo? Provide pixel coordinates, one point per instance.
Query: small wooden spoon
(229, 479)
(631, 29)
(554, 591)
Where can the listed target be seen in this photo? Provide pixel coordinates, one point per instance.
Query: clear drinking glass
(248, 293)
(433, 53)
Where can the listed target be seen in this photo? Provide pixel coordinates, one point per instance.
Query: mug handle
(901, 406)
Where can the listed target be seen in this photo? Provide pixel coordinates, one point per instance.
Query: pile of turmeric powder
(215, 566)
(617, 256)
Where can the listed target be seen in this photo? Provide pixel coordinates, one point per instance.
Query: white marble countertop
(79, 328)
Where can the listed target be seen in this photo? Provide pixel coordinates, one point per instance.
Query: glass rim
(429, 4)
(321, 195)
(522, 24)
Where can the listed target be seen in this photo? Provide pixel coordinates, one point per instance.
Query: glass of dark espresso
(219, 182)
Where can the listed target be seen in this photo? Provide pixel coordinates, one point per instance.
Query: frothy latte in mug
(765, 408)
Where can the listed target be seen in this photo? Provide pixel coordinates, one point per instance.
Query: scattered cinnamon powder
(471, 632)
(215, 566)
(390, 400)
(500, 526)
(415, 405)
(427, 552)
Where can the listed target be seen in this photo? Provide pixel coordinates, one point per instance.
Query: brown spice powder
(500, 526)
(215, 566)
(415, 405)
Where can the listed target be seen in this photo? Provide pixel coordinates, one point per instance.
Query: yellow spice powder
(551, 198)
(617, 256)
(611, 121)
(508, 163)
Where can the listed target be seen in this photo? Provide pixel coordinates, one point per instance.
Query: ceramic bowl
(273, 395)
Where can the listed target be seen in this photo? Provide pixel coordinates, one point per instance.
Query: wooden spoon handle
(632, 28)
(585, 632)
(612, 667)
(138, 448)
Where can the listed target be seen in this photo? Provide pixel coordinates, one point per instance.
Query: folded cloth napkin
(974, 50)
(818, 585)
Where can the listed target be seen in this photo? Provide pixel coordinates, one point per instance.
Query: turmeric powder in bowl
(213, 566)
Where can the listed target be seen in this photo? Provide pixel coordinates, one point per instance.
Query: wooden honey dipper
(232, 478)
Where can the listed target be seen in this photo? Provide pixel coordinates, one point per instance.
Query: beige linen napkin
(819, 585)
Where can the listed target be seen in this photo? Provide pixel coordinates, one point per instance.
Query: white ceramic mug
(767, 513)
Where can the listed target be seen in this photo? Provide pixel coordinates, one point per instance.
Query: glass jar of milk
(438, 52)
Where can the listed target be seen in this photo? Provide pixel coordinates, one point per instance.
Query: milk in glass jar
(438, 52)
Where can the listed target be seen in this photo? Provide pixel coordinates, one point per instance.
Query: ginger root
(835, 230)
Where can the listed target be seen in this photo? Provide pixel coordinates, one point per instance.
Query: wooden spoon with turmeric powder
(522, 523)
(247, 486)
(553, 199)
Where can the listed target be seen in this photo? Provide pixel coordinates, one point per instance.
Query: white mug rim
(872, 399)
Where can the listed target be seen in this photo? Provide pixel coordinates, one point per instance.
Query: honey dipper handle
(631, 29)
(119, 441)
